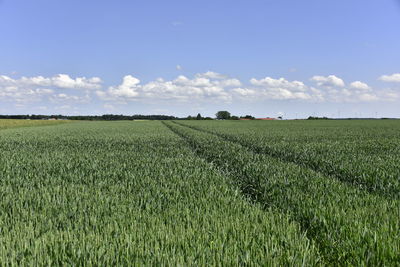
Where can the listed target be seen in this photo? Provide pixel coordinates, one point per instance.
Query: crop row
(130, 193)
(349, 225)
(369, 159)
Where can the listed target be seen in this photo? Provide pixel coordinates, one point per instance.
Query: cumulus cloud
(328, 89)
(212, 86)
(391, 78)
(229, 83)
(245, 92)
(204, 87)
(209, 85)
(128, 88)
(65, 98)
(360, 86)
(351, 95)
(279, 83)
(328, 81)
(334, 89)
(277, 89)
(62, 81)
(28, 89)
(15, 90)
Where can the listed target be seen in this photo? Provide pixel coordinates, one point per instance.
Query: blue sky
(265, 58)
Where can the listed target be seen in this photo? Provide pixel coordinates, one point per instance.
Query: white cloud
(329, 89)
(280, 83)
(204, 87)
(391, 78)
(389, 95)
(360, 86)
(129, 88)
(13, 90)
(245, 92)
(5, 80)
(358, 92)
(209, 85)
(31, 89)
(38, 80)
(63, 81)
(328, 81)
(229, 83)
(332, 89)
(66, 98)
(212, 86)
(279, 89)
(368, 97)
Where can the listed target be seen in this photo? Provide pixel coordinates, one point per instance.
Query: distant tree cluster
(226, 115)
(223, 115)
(220, 115)
(317, 118)
(247, 117)
(198, 117)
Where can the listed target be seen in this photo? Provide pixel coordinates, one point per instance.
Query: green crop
(364, 154)
(126, 193)
(184, 193)
(349, 225)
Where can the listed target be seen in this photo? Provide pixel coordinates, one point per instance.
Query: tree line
(105, 117)
(220, 115)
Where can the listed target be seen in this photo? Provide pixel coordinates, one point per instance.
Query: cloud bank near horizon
(207, 87)
(212, 86)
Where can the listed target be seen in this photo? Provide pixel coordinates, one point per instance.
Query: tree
(223, 115)
(199, 117)
(248, 117)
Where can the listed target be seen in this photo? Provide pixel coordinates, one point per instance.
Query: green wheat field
(183, 193)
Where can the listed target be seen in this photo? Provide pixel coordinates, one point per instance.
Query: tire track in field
(362, 185)
(251, 193)
(347, 225)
